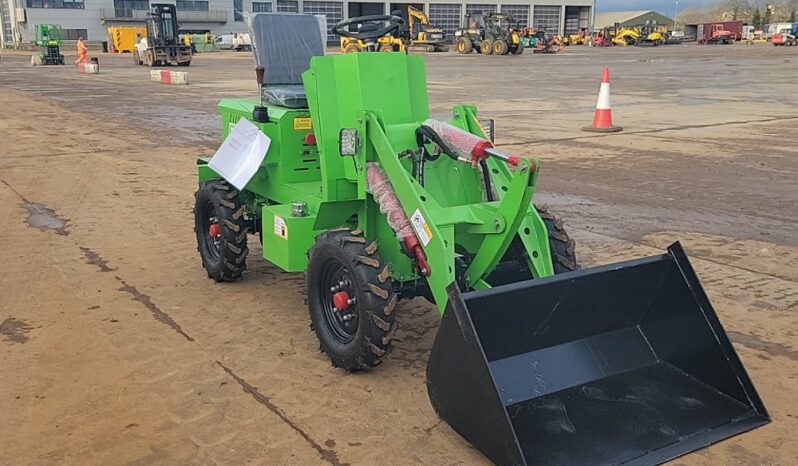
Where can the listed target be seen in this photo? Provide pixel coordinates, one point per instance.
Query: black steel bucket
(620, 364)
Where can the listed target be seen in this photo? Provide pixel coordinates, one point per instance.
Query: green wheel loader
(535, 361)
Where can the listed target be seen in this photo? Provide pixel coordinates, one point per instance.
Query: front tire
(464, 46)
(519, 48)
(350, 299)
(221, 230)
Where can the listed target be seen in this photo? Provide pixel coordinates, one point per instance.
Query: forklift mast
(162, 25)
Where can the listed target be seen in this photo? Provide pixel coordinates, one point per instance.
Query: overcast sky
(665, 7)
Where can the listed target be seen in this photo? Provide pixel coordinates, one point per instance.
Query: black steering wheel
(373, 27)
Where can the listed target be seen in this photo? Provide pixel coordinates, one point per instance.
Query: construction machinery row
(631, 35)
(536, 361)
(415, 34)
(486, 33)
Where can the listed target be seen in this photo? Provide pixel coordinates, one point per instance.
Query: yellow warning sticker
(280, 228)
(302, 123)
(423, 230)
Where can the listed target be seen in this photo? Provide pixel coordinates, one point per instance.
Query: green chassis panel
(287, 239)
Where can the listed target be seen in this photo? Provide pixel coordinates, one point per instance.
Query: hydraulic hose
(425, 131)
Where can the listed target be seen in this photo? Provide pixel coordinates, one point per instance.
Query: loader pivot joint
(417, 253)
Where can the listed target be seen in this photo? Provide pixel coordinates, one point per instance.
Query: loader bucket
(620, 364)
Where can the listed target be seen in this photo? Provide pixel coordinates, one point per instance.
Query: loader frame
(334, 187)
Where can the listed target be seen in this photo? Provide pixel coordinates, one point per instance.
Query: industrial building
(91, 18)
(632, 18)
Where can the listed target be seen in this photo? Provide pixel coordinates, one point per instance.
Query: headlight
(348, 141)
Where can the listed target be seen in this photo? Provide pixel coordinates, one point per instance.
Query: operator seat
(283, 46)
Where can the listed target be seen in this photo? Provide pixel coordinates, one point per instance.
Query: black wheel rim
(336, 277)
(211, 244)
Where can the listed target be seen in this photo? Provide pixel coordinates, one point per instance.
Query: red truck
(719, 32)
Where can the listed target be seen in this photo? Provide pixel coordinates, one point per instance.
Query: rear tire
(514, 266)
(150, 60)
(563, 255)
(351, 48)
(519, 49)
(136, 58)
(500, 47)
(486, 47)
(464, 46)
(223, 247)
(386, 48)
(359, 337)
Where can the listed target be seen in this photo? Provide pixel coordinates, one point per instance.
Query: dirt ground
(115, 347)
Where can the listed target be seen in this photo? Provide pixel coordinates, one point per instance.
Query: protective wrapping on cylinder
(285, 96)
(462, 142)
(379, 186)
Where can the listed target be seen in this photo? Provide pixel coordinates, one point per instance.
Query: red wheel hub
(215, 230)
(341, 300)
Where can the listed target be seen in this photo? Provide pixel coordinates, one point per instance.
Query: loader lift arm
(497, 221)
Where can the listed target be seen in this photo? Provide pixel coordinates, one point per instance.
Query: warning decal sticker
(280, 228)
(422, 229)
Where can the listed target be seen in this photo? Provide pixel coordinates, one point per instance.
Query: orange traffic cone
(602, 121)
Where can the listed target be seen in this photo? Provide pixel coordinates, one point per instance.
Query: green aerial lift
(535, 361)
(48, 37)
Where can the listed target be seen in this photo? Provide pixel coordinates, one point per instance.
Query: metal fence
(520, 14)
(446, 16)
(547, 18)
(334, 12)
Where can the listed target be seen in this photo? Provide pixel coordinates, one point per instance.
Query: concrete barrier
(88, 68)
(169, 77)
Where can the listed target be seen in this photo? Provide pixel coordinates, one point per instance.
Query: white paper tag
(240, 155)
(422, 229)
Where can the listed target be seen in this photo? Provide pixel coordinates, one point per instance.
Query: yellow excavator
(625, 36)
(422, 35)
(653, 35)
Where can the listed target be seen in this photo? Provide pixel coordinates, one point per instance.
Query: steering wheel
(374, 27)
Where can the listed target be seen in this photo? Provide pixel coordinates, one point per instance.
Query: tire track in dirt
(758, 343)
(327, 454)
(156, 312)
